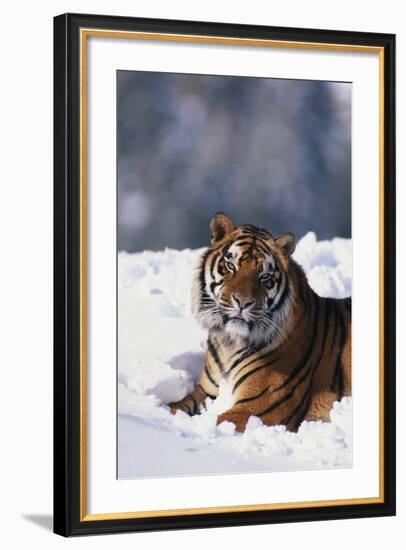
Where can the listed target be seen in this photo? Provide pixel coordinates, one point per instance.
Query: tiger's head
(242, 285)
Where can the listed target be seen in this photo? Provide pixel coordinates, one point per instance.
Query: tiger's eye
(230, 266)
(265, 277)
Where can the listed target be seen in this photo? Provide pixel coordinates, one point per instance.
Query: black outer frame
(67, 275)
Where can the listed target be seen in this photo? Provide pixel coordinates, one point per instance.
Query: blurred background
(274, 153)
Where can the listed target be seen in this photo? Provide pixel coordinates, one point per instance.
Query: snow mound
(160, 355)
(328, 265)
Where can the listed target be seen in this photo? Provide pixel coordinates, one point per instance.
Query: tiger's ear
(220, 226)
(287, 242)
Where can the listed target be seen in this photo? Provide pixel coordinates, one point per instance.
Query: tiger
(284, 351)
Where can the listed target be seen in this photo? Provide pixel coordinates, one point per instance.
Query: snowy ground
(160, 355)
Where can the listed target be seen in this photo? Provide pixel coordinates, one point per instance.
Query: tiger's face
(242, 285)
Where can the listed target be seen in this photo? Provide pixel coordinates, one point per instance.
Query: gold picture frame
(71, 46)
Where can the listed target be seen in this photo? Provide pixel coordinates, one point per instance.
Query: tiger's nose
(242, 301)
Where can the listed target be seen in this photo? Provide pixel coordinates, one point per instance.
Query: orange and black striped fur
(284, 351)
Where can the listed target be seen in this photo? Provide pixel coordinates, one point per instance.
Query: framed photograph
(224, 274)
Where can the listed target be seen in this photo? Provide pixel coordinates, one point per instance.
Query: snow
(160, 355)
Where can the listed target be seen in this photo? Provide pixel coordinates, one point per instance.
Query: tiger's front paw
(239, 420)
(174, 407)
(188, 405)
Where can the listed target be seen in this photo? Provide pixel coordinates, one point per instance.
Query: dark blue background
(275, 153)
